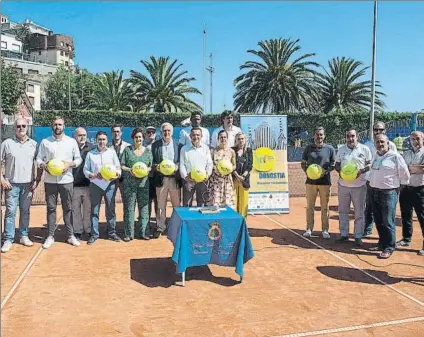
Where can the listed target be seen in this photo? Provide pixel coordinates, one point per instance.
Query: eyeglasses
(21, 126)
(151, 131)
(375, 129)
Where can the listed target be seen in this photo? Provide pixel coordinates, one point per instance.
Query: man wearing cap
(352, 191)
(149, 139)
(196, 120)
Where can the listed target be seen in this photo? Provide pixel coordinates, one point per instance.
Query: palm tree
(280, 81)
(110, 92)
(164, 88)
(342, 89)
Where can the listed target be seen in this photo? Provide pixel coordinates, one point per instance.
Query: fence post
(413, 124)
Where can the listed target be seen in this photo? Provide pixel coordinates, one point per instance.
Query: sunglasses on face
(376, 129)
(21, 126)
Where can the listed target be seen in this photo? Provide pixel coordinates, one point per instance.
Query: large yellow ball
(314, 171)
(108, 172)
(225, 167)
(140, 169)
(263, 159)
(166, 167)
(349, 172)
(55, 167)
(198, 175)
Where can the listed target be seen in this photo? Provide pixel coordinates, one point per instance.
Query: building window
(31, 100)
(39, 53)
(66, 63)
(33, 71)
(19, 70)
(16, 47)
(3, 45)
(61, 53)
(50, 73)
(61, 44)
(66, 54)
(30, 88)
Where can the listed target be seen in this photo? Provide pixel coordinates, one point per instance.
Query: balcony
(24, 57)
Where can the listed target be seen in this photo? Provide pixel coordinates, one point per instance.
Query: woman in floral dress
(136, 190)
(221, 188)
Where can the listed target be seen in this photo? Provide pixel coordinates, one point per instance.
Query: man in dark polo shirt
(81, 204)
(323, 155)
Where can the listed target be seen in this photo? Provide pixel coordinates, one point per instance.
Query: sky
(111, 35)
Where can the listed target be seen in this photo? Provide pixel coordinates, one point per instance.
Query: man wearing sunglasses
(378, 128)
(18, 156)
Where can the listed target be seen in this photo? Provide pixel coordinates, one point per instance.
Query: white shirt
(94, 162)
(388, 171)
(185, 136)
(65, 149)
(359, 155)
(415, 158)
(192, 157)
(231, 135)
(371, 146)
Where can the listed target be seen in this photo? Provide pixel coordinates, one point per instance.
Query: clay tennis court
(292, 287)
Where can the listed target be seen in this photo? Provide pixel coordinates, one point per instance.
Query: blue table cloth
(200, 239)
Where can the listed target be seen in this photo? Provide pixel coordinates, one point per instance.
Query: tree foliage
(12, 88)
(164, 88)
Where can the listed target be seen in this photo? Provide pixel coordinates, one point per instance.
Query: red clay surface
(291, 286)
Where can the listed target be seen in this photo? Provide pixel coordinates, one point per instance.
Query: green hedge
(334, 124)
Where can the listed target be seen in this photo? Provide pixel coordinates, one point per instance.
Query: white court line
(21, 277)
(347, 262)
(354, 327)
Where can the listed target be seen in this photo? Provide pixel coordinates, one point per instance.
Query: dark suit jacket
(157, 180)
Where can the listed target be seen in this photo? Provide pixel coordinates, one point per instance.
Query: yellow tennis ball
(166, 167)
(263, 159)
(349, 172)
(314, 171)
(108, 171)
(140, 169)
(225, 167)
(55, 167)
(198, 175)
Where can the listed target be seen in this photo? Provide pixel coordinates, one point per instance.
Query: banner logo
(215, 232)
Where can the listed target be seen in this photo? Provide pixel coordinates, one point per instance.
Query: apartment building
(40, 58)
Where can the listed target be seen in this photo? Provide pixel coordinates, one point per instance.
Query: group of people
(383, 177)
(82, 187)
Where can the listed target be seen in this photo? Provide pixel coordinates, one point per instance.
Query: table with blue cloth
(209, 238)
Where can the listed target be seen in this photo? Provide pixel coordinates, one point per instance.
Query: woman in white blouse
(388, 172)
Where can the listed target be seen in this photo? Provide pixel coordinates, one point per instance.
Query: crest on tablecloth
(215, 232)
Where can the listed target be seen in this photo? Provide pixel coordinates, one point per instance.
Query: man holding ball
(64, 149)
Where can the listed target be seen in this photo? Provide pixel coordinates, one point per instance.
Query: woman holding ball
(136, 185)
(102, 167)
(220, 184)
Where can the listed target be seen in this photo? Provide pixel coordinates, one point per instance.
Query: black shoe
(359, 242)
(78, 236)
(115, 237)
(157, 234)
(91, 240)
(342, 239)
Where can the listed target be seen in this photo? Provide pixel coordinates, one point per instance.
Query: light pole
(204, 68)
(374, 42)
(69, 80)
(211, 71)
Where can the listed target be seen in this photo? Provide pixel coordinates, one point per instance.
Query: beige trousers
(170, 187)
(311, 196)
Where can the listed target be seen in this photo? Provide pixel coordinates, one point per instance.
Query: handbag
(246, 182)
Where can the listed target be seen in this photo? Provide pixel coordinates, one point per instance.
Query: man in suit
(163, 149)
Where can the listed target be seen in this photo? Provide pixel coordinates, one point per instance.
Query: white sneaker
(308, 233)
(326, 235)
(6, 246)
(49, 241)
(73, 241)
(26, 241)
